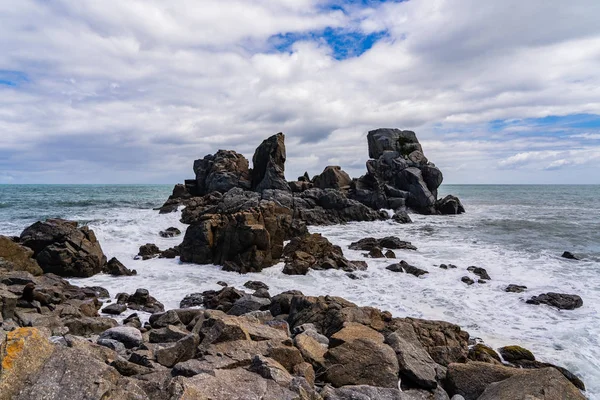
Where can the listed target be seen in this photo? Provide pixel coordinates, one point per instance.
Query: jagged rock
(141, 301)
(533, 364)
(221, 172)
(269, 165)
(405, 267)
(170, 232)
(162, 320)
(480, 272)
(171, 252)
(315, 252)
(362, 362)
(299, 186)
(116, 268)
(352, 331)
(60, 247)
(515, 288)
(332, 177)
(394, 140)
(221, 300)
(402, 217)
(543, 384)
(249, 303)
(15, 257)
(569, 255)
(559, 300)
(179, 195)
(191, 300)
(148, 251)
(168, 334)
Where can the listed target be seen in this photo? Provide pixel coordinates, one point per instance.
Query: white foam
(567, 338)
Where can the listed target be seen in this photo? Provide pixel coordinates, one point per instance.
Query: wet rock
(170, 232)
(129, 336)
(315, 252)
(332, 177)
(415, 364)
(389, 242)
(559, 300)
(480, 272)
(483, 353)
(249, 303)
(390, 254)
(170, 253)
(570, 256)
(516, 353)
(362, 362)
(133, 320)
(467, 280)
(448, 266)
(401, 217)
(141, 301)
(449, 205)
(148, 251)
(515, 288)
(221, 300)
(15, 257)
(191, 300)
(115, 309)
(269, 165)
(545, 383)
(256, 285)
(62, 248)
(405, 267)
(375, 253)
(116, 268)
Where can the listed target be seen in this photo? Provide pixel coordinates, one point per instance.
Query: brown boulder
(15, 257)
(332, 177)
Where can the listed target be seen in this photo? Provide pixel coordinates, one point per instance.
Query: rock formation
(268, 170)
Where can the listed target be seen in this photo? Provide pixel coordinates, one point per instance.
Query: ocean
(516, 232)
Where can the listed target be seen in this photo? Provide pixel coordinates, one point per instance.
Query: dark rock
(394, 140)
(402, 217)
(467, 280)
(191, 300)
(448, 266)
(569, 255)
(255, 285)
(516, 353)
(133, 320)
(183, 350)
(558, 300)
(449, 205)
(515, 288)
(389, 242)
(403, 266)
(414, 362)
(168, 334)
(390, 254)
(480, 272)
(141, 301)
(170, 253)
(332, 177)
(221, 172)
(269, 165)
(60, 247)
(127, 368)
(115, 309)
(315, 252)
(281, 303)
(162, 320)
(170, 232)
(529, 364)
(249, 303)
(470, 380)
(375, 253)
(483, 353)
(221, 300)
(129, 336)
(116, 268)
(221, 283)
(148, 251)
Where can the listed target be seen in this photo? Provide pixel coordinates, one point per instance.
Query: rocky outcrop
(399, 175)
(221, 172)
(268, 170)
(61, 247)
(15, 257)
(115, 267)
(316, 252)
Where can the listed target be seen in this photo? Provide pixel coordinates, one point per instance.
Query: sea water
(516, 232)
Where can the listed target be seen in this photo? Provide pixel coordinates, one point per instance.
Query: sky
(133, 91)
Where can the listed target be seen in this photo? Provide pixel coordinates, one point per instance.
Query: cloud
(146, 86)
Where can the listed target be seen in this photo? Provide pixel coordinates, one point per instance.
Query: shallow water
(517, 233)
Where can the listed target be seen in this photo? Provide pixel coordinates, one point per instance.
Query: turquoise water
(516, 232)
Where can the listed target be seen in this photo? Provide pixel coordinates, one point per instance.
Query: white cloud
(188, 77)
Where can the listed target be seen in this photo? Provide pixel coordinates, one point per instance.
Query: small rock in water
(390, 254)
(148, 251)
(401, 217)
(515, 353)
(116, 268)
(352, 276)
(255, 285)
(467, 280)
(403, 266)
(191, 300)
(375, 253)
(221, 283)
(559, 300)
(170, 232)
(569, 255)
(480, 272)
(515, 288)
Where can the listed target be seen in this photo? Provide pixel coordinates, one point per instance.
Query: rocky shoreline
(60, 341)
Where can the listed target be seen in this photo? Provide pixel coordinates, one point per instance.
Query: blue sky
(133, 92)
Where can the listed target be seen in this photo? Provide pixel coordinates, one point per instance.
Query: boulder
(256, 285)
(483, 353)
(570, 256)
(191, 300)
(515, 288)
(141, 301)
(394, 140)
(221, 172)
(449, 205)
(559, 300)
(129, 336)
(362, 362)
(405, 267)
(332, 177)
(183, 350)
(467, 280)
(415, 364)
(114, 309)
(315, 252)
(148, 251)
(515, 353)
(352, 331)
(268, 170)
(114, 267)
(389, 242)
(401, 217)
(480, 272)
(62, 248)
(543, 384)
(470, 380)
(15, 257)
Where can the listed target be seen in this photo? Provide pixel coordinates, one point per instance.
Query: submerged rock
(389, 242)
(148, 251)
(170, 232)
(480, 272)
(512, 288)
(403, 266)
(569, 255)
(559, 300)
